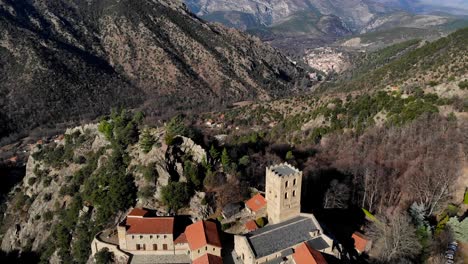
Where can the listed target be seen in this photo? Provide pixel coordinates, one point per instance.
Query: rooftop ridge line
(283, 226)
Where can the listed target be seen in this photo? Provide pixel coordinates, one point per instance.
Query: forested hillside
(73, 60)
(441, 61)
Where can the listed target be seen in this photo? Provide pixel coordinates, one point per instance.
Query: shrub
(149, 172)
(46, 182)
(106, 128)
(21, 200)
(47, 197)
(465, 200)
(261, 222)
(463, 84)
(104, 256)
(146, 192)
(32, 181)
(48, 216)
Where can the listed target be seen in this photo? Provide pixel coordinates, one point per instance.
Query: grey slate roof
(284, 170)
(318, 243)
(280, 237)
(232, 209)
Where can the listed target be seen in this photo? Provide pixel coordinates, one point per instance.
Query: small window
(294, 193)
(151, 236)
(157, 236)
(286, 184)
(164, 246)
(133, 237)
(138, 247)
(165, 236)
(206, 248)
(198, 251)
(141, 237)
(214, 249)
(155, 247)
(294, 182)
(286, 195)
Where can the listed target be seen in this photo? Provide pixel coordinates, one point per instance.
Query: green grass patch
(370, 216)
(465, 200)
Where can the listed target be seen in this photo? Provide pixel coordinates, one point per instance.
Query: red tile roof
(181, 239)
(251, 225)
(208, 259)
(256, 203)
(304, 254)
(150, 225)
(360, 241)
(137, 212)
(202, 233)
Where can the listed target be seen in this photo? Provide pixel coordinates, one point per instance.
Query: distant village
(270, 228)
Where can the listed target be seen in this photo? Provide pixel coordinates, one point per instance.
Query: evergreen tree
(225, 160)
(214, 153)
(147, 141)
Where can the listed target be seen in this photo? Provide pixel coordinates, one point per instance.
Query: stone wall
(147, 243)
(194, 254)
(243, 250)
(120, 257)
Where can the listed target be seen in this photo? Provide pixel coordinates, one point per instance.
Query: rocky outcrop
(34, 205)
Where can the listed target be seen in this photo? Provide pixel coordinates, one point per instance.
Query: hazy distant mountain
(74, 59)
(455, 7)
(295, 26)
(354, 13)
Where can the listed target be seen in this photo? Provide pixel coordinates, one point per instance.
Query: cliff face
(70, 60)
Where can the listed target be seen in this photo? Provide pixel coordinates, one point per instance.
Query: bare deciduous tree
(394, 239)
(430, 185)
(337, 195)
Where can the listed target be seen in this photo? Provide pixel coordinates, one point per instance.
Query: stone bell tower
(283, 192)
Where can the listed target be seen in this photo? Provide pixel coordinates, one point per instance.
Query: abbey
(291, 236)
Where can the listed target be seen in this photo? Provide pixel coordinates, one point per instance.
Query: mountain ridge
(90, 57)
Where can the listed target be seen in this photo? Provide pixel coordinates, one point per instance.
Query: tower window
(286, 184)
(294, 193)
(294, 182)
(286, 195)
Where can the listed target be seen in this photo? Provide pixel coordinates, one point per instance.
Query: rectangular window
(155, 246)
(294, 182)
(286, 184)
(133, 237)
(164, 246)
(144, 246)
(294, 193)
(138, 247)
(286, 195)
